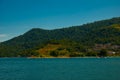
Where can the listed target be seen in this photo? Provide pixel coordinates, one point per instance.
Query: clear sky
(19, 16)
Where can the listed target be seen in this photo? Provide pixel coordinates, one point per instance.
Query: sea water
(60, 69)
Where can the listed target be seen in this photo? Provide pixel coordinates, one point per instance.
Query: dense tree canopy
(77, 40)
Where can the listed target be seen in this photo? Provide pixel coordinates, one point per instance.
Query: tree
(54, 53)
(102, 53)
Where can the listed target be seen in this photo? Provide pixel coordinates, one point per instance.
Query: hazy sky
(19, 16)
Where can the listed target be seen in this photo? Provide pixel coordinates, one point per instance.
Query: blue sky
(19, 16)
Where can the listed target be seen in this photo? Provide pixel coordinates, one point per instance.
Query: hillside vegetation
(100, 38)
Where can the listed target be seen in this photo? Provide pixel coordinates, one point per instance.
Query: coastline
(33, 57)
(70, 57)
(62, 57)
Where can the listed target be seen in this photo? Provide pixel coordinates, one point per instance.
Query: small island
(97, 39)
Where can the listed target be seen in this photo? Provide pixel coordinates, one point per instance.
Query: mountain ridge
(87, 35)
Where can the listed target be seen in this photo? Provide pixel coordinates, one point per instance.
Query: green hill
(85, 40)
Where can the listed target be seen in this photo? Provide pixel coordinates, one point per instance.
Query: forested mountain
(85, 40)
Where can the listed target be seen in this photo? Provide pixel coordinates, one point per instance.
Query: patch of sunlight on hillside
(48, 48)
(117, 26)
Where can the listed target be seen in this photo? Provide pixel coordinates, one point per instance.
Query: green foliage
(91, 53)
(102, 53)
(54, 53)
(75, 54)
(76, 39)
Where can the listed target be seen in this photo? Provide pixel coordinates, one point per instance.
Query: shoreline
(67, 57)
(60, 57)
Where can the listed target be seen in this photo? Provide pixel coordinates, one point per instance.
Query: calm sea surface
(60, 69)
